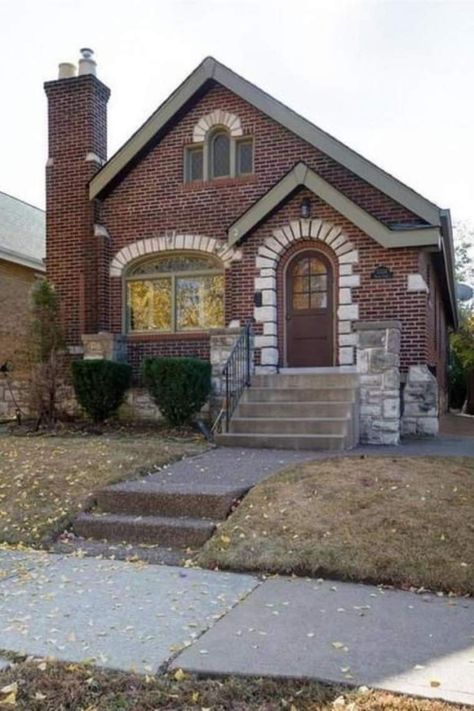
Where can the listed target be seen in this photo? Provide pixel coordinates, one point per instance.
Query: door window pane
(319, 300)
(317, 266)
(300, 301)
(318, 283)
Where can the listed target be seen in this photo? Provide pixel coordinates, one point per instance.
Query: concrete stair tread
(283, 441)
(168, 521)
(288, 436)
(292, 419)
(300, 402)
(183, 488)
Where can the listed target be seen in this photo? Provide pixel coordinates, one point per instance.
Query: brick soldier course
(384, 251)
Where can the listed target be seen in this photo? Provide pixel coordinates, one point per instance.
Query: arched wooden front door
(309, 311)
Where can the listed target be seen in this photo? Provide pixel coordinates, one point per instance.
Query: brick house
(22, 251)
(226, 206)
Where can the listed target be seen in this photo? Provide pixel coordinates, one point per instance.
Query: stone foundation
(420, 403)
(14, 396)
(378, 365)
(222, 340)
(139, 406)
(104, 346)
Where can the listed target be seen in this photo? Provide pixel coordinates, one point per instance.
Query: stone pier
(378, 365)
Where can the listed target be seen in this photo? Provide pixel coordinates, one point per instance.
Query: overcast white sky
(393, 80)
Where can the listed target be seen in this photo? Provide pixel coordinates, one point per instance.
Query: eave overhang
(303, 176)
(8, 255)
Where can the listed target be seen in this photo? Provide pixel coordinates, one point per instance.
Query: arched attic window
(219, 149)
(174, 293)
(219, 154)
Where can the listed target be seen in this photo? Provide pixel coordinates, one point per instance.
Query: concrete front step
(333, 442)
(290, 426)
(180, 532)
(306, 380)
(288, 394)
(147, 498)
(294, 409)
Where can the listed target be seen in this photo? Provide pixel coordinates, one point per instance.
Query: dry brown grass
(45, 480)
(401, 521)
(48, 686)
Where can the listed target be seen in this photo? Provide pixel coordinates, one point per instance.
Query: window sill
(188, 336)
(218, 183)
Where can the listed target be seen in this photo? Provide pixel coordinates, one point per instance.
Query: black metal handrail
(238, 371)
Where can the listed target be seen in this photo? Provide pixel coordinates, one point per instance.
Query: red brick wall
(437, 329)
(152, 199)
(77, 116)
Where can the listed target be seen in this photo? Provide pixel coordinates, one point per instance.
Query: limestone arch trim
(268, 257)
(217, 118)
(168, 243)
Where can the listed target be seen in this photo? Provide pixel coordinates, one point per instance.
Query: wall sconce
(305, 209)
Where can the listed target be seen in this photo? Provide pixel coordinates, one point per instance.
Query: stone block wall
(420, 403)
(222, 341)
(14, 395)
(378, 365)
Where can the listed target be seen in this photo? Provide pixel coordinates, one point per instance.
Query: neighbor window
(220, 156)
(182, 292)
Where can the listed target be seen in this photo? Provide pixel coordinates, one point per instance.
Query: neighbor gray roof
(22, 232)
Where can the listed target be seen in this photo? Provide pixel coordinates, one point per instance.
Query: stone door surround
(268, 257)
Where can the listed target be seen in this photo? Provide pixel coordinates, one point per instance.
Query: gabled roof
(303, 176)
(209, 70)
(22, 232)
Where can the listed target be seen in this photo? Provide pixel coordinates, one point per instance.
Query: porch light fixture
(305, 209)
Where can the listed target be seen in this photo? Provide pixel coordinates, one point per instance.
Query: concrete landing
(344, 633)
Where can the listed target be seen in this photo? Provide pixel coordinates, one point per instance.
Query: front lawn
(45, 480)
(45, 686)
(401, 521)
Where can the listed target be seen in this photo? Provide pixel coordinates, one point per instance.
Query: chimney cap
(87, 63)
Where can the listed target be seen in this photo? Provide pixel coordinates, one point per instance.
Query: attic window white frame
(207, 148)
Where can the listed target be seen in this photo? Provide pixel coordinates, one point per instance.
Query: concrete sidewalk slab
(342, 632)
(119, 615)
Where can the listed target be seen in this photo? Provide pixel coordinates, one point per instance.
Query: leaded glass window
(175, 292)
(244, 158)
(194, 164)
(220, 155)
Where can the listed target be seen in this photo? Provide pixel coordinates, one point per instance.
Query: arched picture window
(182, 292)
(220, 154)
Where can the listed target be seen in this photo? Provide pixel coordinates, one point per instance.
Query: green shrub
(100, 386)
(179, 386)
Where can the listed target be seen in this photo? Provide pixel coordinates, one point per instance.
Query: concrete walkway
(137, 617)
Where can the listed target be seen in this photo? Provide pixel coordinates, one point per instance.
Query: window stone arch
(217, 118)
(155, 245)
(268, 257)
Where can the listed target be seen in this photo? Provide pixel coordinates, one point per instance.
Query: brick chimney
(77, 148)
